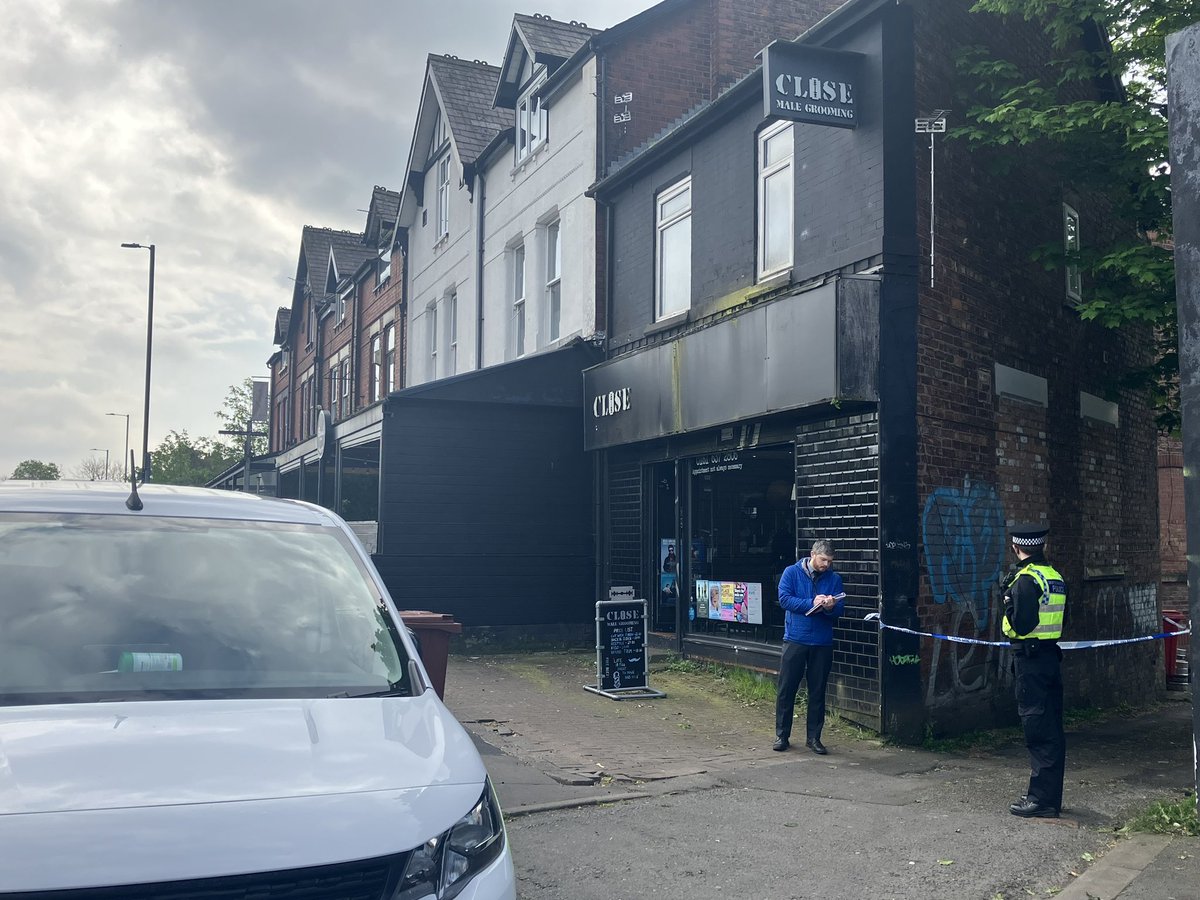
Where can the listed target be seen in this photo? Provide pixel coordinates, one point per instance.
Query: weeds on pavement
(1173, 817)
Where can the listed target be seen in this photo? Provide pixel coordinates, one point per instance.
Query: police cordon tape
(1065, 645)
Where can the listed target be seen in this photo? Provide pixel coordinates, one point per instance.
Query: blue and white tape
(1065, 645)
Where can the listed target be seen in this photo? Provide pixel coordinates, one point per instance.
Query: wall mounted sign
(811, 84)
(610, 403)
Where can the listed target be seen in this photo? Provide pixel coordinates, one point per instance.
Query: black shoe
(780, 744)
(815, 745)
(1028, 808)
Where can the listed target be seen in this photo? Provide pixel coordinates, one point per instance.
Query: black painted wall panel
(487, 512)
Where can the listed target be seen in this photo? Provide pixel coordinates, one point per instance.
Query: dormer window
(343, 302)
(531, 123)
(439, 136)
(443, 197)
(385, 264)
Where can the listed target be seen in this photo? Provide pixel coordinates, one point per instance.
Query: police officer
(1035, 598)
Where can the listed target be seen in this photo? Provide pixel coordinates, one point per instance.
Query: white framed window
(431, 338)
(553, 280)
(376, 367)
(385, 264)
(673, 249)
(518, 300)
(776, 199)
(531, 124)
(345, 386)
(452, 333)
(1071, 244)
(443, 196)
(389, 358)
(439, 136)
(343, 305)
(334, 403)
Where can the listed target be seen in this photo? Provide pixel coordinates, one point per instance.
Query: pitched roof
(349, 252)
(465, 90)
(544, 35)
(283, 318)
(381, 217)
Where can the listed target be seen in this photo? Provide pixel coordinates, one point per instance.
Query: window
(518, 303)
(335, 395)
(310, 321)
(553, 281)
(439, 136)
(389, 357)
(285, 357)
(776, 200)
(343, 301)
(531, 124)
(673, 253)
(385, 264)
(1071, 247)
(345, 376)
(452, 333)
(443, 197)
(431, 336)
(376, 367)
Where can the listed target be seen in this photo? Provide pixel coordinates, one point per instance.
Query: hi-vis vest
(1050, 607)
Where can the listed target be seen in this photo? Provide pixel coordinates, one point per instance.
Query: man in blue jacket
(811, 594)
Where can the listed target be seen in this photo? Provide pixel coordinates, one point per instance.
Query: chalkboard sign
(621, 650)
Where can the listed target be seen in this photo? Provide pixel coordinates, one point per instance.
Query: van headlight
(442, 866)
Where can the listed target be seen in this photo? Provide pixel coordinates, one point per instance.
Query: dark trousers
(1040, 705)
(799, 659)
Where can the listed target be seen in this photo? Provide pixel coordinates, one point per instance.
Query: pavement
(549, 745)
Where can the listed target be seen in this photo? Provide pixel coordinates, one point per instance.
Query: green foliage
(234, 415)
(1097, 117)
(182, 459)
(1176, 817)
(36, 470)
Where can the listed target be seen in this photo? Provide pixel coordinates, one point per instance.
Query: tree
(235, 416)
(1111, 142)
(182, 459)
(36, 470)
(93, 469)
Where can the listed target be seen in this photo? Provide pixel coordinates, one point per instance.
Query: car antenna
(133, 501)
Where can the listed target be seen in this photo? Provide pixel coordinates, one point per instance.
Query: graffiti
(964, 538)
(909, 660)
(1126, 611)
(897, 545)
(971, 667)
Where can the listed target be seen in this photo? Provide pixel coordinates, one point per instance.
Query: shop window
(742, 523)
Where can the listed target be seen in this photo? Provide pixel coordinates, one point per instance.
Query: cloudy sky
(214, 129)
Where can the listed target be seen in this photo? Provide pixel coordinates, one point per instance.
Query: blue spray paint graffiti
(964, 538)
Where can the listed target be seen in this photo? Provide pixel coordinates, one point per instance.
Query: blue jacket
(797, 588)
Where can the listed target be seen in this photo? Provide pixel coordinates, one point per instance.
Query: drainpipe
(480, 200)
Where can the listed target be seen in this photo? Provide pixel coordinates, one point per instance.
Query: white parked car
(213, 696)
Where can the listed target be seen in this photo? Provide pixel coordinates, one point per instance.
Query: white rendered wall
(521, 200)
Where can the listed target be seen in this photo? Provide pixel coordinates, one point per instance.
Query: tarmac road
(710, 812)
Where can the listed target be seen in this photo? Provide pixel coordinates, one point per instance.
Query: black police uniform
(1037, 666)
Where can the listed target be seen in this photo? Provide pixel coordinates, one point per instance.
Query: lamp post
(149, 344)
(98, 449)
(125, 466)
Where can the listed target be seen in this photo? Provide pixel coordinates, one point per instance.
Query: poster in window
(730, 601)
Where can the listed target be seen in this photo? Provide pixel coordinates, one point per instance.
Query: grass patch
(1173, 817)
(751, 689)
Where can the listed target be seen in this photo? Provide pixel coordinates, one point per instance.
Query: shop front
(723, 454)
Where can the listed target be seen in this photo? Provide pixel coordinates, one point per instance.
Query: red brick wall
(984, 461)
(1172, 523)
(676, 61)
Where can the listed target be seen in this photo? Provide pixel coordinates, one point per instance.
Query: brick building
(341, 350)
(791, 357)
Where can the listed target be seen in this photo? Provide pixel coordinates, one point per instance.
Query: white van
(210, 694)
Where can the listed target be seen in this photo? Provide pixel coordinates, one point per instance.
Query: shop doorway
(665, 555)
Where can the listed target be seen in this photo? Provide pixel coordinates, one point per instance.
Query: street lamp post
(98, 449)
(149, 345)
(125, 465)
